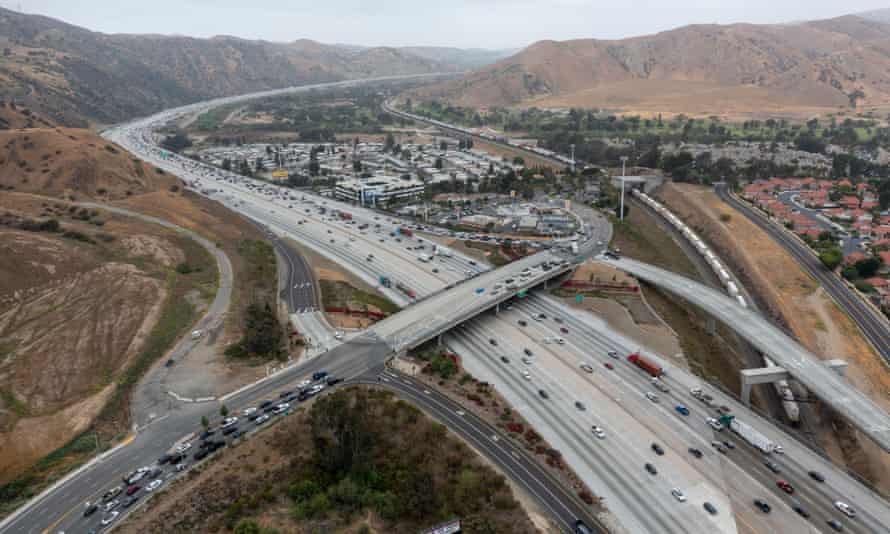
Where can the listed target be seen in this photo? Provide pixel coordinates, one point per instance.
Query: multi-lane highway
(874, 327)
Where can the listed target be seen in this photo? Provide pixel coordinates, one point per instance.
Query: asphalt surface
(875, 328)
(298, 290)
(806, 368)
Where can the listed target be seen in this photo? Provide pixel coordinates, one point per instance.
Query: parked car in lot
(493, 341)
(715, 424)
(613, 354)
(229, 431)
(580, 405)
(505, 359)
(129, 501)
(522, 323)
(281, 408)
(609, 366)
(319, 375)
(111, 505)
(526, 375)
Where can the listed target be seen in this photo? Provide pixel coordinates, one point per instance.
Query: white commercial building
(381, 188)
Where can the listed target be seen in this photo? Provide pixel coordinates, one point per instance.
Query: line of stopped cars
(114, 501)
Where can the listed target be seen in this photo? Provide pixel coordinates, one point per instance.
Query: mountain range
(76, 76)
(739, 69)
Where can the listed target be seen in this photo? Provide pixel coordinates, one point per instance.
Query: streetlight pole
(573, 158)
(623, 170)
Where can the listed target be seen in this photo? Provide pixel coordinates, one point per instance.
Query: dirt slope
(73, 163)
(702, 68)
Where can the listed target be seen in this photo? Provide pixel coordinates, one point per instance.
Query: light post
(623, 170)
(573, 157)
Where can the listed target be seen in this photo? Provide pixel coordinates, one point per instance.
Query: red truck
(345, 215)
(406, 290)
(646, 365)
(404, 230)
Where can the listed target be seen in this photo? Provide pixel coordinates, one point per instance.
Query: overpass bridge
(816, 375)
(448, 308)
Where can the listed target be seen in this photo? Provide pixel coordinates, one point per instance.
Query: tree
(832, 257)
(223, 411)
(810, 143)
(868, 267)
(205, 422)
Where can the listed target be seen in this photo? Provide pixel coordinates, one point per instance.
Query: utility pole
(623, 170)
(573, 157)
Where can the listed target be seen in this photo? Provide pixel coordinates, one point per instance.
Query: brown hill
(73, 163)
(73, 75)
(741, 68)
(13, 116)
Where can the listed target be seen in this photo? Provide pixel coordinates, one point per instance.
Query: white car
(153, 485)
(338, 335)
(281, 408)
(248, 412)
(715, 424)
(845, 508)
(526, 360)
(678, 494)
(261, 419)
(111, 505)
(560, 341)
(598, 432)
(586, 367)
(526, 375)
(304, 383)
(182, 448)
(229, 421)
(108, 519)
(652, 396)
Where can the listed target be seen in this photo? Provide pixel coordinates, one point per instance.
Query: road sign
(279, 174)
(522, 293)
(579, 298)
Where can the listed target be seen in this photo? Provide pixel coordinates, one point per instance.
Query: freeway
(875, 328)
(298, 289)
(805, 367)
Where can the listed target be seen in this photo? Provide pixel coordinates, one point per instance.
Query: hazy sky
(462, 23)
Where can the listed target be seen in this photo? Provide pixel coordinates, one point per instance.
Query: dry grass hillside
(74, 75)
(812, 66)
(13, 116)
(73, 163)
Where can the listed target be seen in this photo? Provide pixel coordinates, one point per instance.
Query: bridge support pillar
(439, 340)
(497, 308)
(711, 326)
(768, 375)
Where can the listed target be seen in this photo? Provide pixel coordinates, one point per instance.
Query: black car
(505, 359)
(319, 375)
(164, 459)
(265, 404)
(796, 506)
(543, 394)
(90, 510)
(269, 408)
(710, 508)
(333, 380)
(651, 469)
(695, 452)
(657, 448)
(175, 458)
(762, 506)
(217, 445)
(284, 394)
(493, 341)
(201, 454)
(303, 395)
(229, 430)
(238, 433)
(528, 352)
(817, 476)
(207, 433)
(835, 525)
(254, 415)
(522, 323)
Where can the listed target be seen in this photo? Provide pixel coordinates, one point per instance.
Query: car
(729, 445)
(835, 525)
(564, 330)
(762, 506)
(609, 366)
(586, 367)
(581, 527)
(165, 458)
(560, 341)
(652, 396)
(230, 430)
(90, 509)
(154, 484)
(845, 508)
(505, 359)
(111, 505)
(659, 385)
(181, 466)
(112, 493)
(333, 380)
(129, 501)
(682, 409)
(493, 341)
(657, 449)
(262, 419)
(719, 446)
(715, 424)
(651, 469)
(526, 360)
(522, 323)
(785, 486)
(265, 404)
(528, 352)
(155, 473)
(207, 433)
(175, 458)
(133, 489)
(797, 507)
(108, 519)
(678, 494)
(710, 508)
(772, 466)
(248, 412)
(543, 394)
(613, 354)
(580, 405)
(281, 408)
(526, 375)
(304, 384)
(695, 452)
(598, 432)
(319, 375)
(201, 454)
(817, 476)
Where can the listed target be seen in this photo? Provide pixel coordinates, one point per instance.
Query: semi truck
(647, 365)
(404, 230)
(345, 215)
(749, 434)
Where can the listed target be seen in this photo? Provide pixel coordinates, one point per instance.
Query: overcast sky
(461, 23)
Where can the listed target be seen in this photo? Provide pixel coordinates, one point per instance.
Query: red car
(609, 365)
(132, 489)
(564, 330)
(784, 486)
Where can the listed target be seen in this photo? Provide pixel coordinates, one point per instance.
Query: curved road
(874, 327)
(787, 353)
